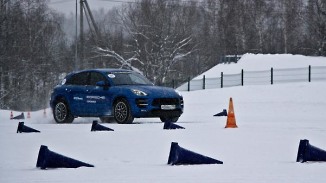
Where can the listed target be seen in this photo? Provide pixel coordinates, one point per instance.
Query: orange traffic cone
(28, 115)
(230, 122)
(11, 115)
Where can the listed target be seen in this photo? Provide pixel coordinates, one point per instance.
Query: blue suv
(113, 94)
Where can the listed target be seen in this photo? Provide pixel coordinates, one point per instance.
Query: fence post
(309, 74)
(241, 77)
(188, 83)
(221, 79)
(204, 82)
(271, 75)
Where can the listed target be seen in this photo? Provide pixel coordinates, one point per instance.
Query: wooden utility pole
(81, 34)
(76, 39)
(85, 10)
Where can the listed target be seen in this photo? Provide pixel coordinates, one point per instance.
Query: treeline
(166, 40)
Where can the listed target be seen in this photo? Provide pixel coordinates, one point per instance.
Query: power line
(117, 1)
(60, 1)
(139, 2)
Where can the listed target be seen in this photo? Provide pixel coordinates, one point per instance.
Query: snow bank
(261, 62)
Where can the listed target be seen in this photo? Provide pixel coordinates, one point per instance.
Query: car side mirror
(102, 84)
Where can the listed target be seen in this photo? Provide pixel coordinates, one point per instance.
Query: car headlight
(139, 92)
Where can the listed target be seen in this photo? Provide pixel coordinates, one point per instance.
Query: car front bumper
(158, 107)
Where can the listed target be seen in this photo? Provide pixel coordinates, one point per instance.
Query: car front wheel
(122, 112)
(61, 113)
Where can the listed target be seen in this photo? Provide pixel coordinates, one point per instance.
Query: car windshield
(128, 78)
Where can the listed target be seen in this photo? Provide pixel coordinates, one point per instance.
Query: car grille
(167, 101)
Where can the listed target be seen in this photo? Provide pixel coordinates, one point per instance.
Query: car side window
(135, 78)
(96, 77)
(78, 79)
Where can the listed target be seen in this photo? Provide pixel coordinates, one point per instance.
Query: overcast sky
(67, 6)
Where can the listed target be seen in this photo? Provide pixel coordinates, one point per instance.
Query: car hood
(154, 91)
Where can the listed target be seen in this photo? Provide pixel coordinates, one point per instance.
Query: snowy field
(261, 62)
(271, 121)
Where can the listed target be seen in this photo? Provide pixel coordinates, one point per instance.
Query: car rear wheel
(61, 113)
(122, 112)
(169, 119)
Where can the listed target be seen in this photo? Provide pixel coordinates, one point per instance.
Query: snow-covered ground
(261, 62)
(257, 70)
(271, 121)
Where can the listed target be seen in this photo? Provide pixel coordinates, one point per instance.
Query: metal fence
(272, 76)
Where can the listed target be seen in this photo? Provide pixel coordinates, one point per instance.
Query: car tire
(61, 112)
(122, 112)
(169, 119)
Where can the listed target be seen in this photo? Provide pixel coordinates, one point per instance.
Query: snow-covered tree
(158, 36)
(30, 39)
(316, 21)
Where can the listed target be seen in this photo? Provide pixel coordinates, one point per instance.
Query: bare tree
(316, 21)
(30, 35)
(156, 40)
